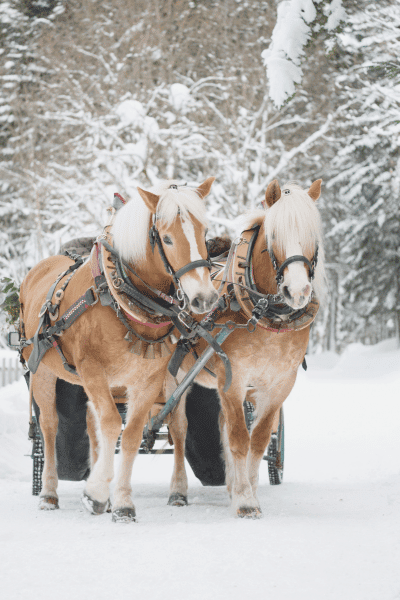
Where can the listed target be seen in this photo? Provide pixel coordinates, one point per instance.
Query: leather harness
(278, 317)
(113, 288)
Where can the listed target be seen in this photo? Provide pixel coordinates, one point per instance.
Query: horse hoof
(48, 503)
(124, 515)
(249, 513)
(93, 506)
(177, 500)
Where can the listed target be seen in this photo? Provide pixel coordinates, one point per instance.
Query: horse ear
(273, 193)
(204, 189)
(315, 190)
(150, 200)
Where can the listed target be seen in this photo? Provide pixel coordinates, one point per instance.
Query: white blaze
(296, 277)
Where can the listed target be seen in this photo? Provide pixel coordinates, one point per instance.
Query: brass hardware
(55, 316)
(59, 295)
(117, 282)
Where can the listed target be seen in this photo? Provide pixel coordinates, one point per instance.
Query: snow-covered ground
(331, 530)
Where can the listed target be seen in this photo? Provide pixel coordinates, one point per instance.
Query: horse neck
(151, 270)
(263, 271)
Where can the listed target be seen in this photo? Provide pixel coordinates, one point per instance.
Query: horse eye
(167, 240)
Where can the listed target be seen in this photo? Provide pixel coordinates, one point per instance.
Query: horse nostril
(307, 290)
(195, 302)
(286, 292)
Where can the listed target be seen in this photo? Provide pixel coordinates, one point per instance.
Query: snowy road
(331, 530)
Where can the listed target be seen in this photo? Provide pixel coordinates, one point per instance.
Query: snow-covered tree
(367, 171)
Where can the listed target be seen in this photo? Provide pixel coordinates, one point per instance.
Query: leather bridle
(297, 258)
(155, 240)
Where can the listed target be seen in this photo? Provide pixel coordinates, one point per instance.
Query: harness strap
(247, 294)
(45, 340)
(147, 303)
(288, 261)
(193, 265)
(156, 240)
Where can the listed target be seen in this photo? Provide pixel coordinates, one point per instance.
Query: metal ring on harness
(117, 282)
(54, 316)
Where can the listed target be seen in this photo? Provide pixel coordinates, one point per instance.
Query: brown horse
(281, 248)
(97, 344)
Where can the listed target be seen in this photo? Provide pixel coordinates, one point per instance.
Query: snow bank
(330, 530)
(14, 442)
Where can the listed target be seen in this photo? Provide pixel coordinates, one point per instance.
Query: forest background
(98, 97)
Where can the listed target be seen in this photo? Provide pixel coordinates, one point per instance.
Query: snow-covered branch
(291, 34)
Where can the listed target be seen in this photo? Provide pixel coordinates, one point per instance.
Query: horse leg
(141, 398)
(97, 489)
(178, 428)
(43, 387)
(268, 402)
(227, 455)
(92, 426)
(243, 502)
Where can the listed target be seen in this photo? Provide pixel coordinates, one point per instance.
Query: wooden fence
(10, 370)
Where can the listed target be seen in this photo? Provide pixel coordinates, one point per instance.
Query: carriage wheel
(276, 453)
(38, 462)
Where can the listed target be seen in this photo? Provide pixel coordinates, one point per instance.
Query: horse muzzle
(203, 303)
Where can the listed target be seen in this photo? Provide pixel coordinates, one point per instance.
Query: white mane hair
(294, 216)
(132, 222)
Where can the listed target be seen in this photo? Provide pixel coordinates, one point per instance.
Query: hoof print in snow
(93, 506)
(177, 500)
(124, 515)
(249, 513)
(48, 503)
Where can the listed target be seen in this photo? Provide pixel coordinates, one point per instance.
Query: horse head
(169, 232)
(294, 240)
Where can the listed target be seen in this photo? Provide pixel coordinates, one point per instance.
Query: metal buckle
(117, 282)
(13, 339)
(186, 319)
(95, 294)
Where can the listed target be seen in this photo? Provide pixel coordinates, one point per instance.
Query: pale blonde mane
(294, 216)
(132, 222)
